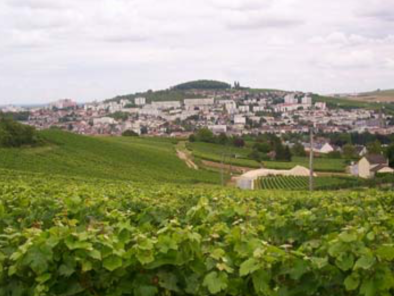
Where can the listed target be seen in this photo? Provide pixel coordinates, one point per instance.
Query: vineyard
(302, 183)
(76, 236)
(116, 158)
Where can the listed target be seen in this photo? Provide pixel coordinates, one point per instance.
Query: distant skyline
(87, 50)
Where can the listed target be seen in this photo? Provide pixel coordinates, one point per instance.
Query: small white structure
(104, 120)
(191, 103)
(239, 119)
(290, 99)
(218, 129)
(140, 101)
(319, 148)
(247, 180)
(166, 105)
(307, 100)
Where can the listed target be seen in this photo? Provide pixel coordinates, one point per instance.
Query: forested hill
(202, 84)
(177, 92)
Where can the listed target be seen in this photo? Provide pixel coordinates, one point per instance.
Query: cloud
(343, 39)
(37, 4)
(90, 48)
(378, 9)
(390, 63)
(353, 59)
(261, 21)
(243, 5)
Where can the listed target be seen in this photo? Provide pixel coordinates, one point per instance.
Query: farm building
(247, 180)
(369, 165)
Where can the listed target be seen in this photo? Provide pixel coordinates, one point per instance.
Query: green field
(302, 183)
(85, 237)
(118, 158)
(238, 156)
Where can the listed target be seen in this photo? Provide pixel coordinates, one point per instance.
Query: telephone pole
(311, 160)
(311, 153)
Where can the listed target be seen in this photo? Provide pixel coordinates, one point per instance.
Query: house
(370, 165)
(323, 148)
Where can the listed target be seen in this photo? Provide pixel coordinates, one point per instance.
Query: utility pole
(311, 160)
(311, 152)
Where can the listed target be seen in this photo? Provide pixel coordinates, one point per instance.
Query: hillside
(386, 96)
(134, 159)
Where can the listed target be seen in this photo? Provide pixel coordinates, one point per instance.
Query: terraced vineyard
(86, 237)
(302, 183)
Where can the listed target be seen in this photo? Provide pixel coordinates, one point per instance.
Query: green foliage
(202, 84)
(117, 158)
(298, 150)
(17, 116)
(349, 151)
(129, 133)
(119, 115)
(390, 155)
(374, 147)
(205, 135)
(334, 155)
(61, 236)
(14, 134)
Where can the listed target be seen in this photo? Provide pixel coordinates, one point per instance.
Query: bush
(130, 133)
(14, 134)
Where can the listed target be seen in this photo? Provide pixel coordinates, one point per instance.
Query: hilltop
(177, 92)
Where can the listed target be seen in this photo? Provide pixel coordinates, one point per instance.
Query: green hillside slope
(140, 160)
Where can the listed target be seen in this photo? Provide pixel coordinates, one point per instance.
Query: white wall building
(166, 105)
(191, 103)
(239, 119)
(140, 101)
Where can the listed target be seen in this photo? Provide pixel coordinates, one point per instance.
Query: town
(230, 111)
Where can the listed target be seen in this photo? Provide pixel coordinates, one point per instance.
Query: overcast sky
(96, 49)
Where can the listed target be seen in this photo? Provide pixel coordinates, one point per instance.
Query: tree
(222, 139)
(129, 133)
(205, 135)
(298, 149)
(262, 147)
(14, 134)
(282, 153)
(390, 155)
(255, 155)
(238, 142)
(349, 151)
(374, 147)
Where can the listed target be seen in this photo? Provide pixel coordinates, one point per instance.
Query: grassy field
(134, 159)
(237, 156)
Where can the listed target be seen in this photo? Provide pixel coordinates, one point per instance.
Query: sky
(96, 49)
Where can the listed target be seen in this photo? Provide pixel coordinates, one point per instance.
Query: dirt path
(227, 167)
(185, 155)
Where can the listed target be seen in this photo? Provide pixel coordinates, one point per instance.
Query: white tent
(246, 181)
